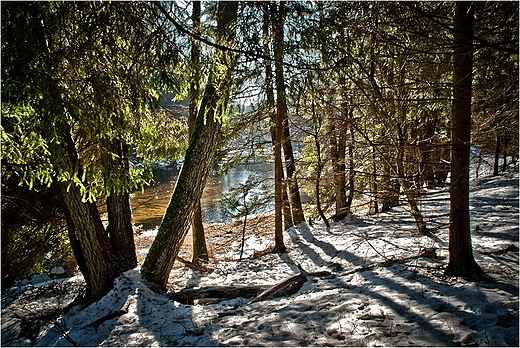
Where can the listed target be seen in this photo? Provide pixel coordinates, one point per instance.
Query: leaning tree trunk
(199, 248)
(87, 233)
(199, 156)
(94, 246)
(405, 185)
(281, 109)
(461, 261)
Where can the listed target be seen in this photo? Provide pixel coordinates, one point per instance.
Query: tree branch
(205, 41)
(482, 42)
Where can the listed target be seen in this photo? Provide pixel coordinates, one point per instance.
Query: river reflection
(148, 208)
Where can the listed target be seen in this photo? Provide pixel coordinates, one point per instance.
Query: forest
(388, 132)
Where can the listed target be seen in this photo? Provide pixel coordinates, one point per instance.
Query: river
(148, 207)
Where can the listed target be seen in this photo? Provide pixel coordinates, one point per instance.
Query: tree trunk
(279, 246)
(375, 204)
(281, 113)
(88, 237)
(217, 293)
(390, 184)
(337, 145)
(287, 215)
(391, 188)
(338, 149)
(351, 172)
(317, 182)
(504, 162)
(94, 245)
(405, 185)
(461, 261)
(279, 206)
(76, 249)
(317, 122)
(496, 163)
(120, 230)
(199, 156)
(199, 248)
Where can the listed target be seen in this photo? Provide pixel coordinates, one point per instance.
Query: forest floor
(379, 290)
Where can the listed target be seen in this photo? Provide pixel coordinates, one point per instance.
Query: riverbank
(222, 239)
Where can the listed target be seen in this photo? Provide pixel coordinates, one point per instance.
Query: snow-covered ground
(390, 304)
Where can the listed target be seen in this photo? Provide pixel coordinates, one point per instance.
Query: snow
(363, 302)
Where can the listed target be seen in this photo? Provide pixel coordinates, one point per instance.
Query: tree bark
(375, 193)
(188, 296)
(338, 148)
(317, 124)
(496, 163)
(87, 227)
(391, 188)
(338, 135)
(279, 246)
(199, 156)
(87, 234)
(120, 230)
(281, 113)
(351, 171)
(279, 206)
(76, 249)
(461, 260)
(319, 166)
(199, 248)
(405, 185)
(504, 162)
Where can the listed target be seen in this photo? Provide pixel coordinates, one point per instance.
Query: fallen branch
(116, 314)
(286, 287)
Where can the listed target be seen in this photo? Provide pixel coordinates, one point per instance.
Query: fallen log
(188, 296)
(214, 294)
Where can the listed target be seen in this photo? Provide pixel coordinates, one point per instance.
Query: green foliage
(24, 152)
(162, 137)
(248, 198)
